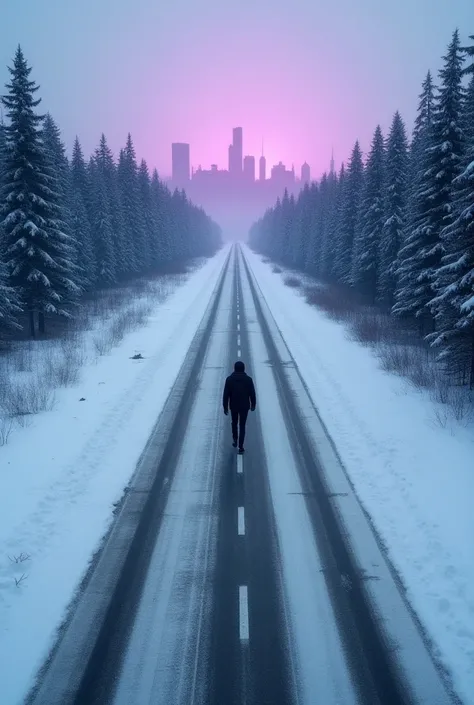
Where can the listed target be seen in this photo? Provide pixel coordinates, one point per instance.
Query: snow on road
(416, 480)
(61, 476)
(318, 660)
(163, 660)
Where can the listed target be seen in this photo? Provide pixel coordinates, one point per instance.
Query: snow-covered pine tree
(56, 158)
(315, 218)
(419, 143)
(102, 234)
(82, 216)
(331, 227)
(301, 227)
(454, 303)
(160, 215)
(59, 169)
(3, 148)
(408, 259)
(420, 256)
(352, 191)
(146, 205)
(38, 253)
(395, 192)
(365, 262)
(80, 177)
(82, 233)
(134, 227)
(122, 246)
(288, 220)
(10, 307)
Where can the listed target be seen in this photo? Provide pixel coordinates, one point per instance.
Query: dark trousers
(239, 417)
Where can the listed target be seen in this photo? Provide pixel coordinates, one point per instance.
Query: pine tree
(353, 183)
(454, 303)
(146, 206)
(420, 257)
(56, 158)
(301, 227)
(3, 148)
(39, 254)
(161, 251)
(102, 234)
(80, 177)
(365, 265)
(82, 233)
(10, 307)
(396, 171)
(122, 247)
(134, 228)
(332, 219)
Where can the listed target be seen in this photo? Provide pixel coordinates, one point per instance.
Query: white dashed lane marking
(243, 613)
(241, 521)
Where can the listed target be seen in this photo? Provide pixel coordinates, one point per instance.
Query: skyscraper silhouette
(180, 160)
(237, 151)
(249, 169)
(305, 173)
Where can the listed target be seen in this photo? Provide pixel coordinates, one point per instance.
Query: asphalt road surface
(240, 580)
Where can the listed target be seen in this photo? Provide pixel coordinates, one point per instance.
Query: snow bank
(416, 480)
(61, 476)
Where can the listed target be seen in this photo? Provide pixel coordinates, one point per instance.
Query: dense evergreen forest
(70, 227)
(397, 228)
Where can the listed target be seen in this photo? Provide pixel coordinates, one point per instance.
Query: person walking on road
(239, 396)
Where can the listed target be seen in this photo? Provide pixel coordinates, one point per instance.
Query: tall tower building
(249, 169)
(180, 163)
(305, 173)
(237, 151)
(262, 167)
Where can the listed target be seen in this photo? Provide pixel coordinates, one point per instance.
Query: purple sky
(303, 75)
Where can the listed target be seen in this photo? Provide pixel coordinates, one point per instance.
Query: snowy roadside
(62, 475)
(414, 479)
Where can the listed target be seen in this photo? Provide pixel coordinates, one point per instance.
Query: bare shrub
(370, 327)
(423, 371)
(24, 398)
(62, 368)
(441, 417)
(103, 342)
(276, 269)
(6, 426)
(124, 322)
(395, 358)
(458, 400)
(336, 303)
(23, 357)
(292, 281)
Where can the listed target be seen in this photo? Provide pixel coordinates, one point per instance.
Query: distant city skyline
(307, 78)
(240, 166)
(237, 194)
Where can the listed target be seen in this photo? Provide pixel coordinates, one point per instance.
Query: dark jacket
(239, 392)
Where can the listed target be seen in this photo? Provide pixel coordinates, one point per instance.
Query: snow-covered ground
(415, 479)
(61, 475)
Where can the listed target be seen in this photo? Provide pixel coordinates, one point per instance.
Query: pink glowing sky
(304, 75)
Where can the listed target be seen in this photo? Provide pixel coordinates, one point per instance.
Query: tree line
(69, 227)
(398, 227)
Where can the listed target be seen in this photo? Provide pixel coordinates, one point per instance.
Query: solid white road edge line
(241, 521)
(240, 465)
(243, 613)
